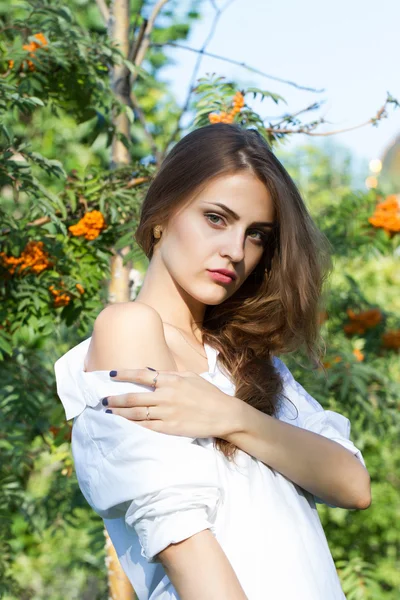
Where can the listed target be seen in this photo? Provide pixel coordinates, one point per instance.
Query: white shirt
(153, 489)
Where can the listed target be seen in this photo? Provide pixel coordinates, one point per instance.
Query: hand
(182, 404)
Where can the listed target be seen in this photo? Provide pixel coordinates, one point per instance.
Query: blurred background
(346, 50)
(93, 94)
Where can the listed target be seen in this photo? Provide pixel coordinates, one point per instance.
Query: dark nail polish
(113, 373)
(151, 369)
(104, 402)
(109, 410)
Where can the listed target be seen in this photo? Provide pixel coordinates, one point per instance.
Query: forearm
(200, 570)
(312, 461)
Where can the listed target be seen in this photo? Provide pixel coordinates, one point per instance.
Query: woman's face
(224, 226)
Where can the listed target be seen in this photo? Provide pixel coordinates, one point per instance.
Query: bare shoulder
(133, 311)
(128, 335)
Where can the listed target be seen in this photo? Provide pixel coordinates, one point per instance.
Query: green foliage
(27, 306)
(70, 72)
(56, 127)
(214, 93)
(66, 561)
(364, 544)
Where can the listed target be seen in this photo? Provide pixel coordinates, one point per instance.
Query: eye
(263, 235)
(208, 215)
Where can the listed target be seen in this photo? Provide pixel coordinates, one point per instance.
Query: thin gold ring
(155, 380)
(154, 387)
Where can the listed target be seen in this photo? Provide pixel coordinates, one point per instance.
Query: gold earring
(157, 231)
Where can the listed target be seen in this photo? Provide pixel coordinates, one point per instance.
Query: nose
(233, 246)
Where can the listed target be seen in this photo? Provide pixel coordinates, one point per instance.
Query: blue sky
(349, 48)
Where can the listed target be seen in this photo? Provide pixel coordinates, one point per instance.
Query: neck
(172, 303)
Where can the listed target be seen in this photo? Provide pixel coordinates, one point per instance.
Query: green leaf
(5, 345)
(65, 13)
(125, 240)
(36, 101)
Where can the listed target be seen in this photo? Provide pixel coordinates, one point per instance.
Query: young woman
(191, 439)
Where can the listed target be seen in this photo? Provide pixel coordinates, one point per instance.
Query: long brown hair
(276, 309)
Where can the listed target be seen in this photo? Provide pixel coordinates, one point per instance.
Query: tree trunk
(118, 290)
(119, 587)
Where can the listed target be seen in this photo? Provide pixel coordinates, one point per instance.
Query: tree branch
(143, 47)
(313, 106)
(135, 181)
(136, 44)
(381, 114)
(241, 64)
(136, 55)
(142, 120)
(103, 8)
(218, 13)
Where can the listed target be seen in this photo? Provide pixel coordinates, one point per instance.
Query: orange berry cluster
(31, 48)
(54, 430)
(61, 298)
(391, 339)
(90, 226)
(328, 364)
(227, 117)
(357, 353)
(33, 258)
(362, 321)
(387, 215)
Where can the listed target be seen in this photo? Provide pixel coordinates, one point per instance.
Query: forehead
(243, 192)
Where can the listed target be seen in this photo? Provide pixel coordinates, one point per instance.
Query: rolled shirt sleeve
(312, 416)
(166, 487)
(168, 491)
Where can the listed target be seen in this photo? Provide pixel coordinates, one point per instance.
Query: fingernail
(151, 369)
(104, 402)
(113, 373)
(109, 410)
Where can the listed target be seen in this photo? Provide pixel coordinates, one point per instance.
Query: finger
(143, 376)
(153, 425)
(128, 400)
(157, 398)
(137, 413)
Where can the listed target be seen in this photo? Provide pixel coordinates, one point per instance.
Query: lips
(220, 277)
(225, 272)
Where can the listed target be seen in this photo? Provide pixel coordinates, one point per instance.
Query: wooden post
(118, 291)
(119, 587)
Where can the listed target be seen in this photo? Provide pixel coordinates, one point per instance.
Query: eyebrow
(236, 216)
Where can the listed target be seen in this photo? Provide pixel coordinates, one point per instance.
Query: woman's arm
(316, 453)
(317, 464)
(200, 570)
(130, 335)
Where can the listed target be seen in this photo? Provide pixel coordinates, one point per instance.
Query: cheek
(189, 234)
(253, 259)
(187, 241)
(185, 231)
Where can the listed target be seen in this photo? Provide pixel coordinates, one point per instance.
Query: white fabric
(154, 489)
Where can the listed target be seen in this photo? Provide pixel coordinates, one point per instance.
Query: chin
(218, 297)
(212, 298)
